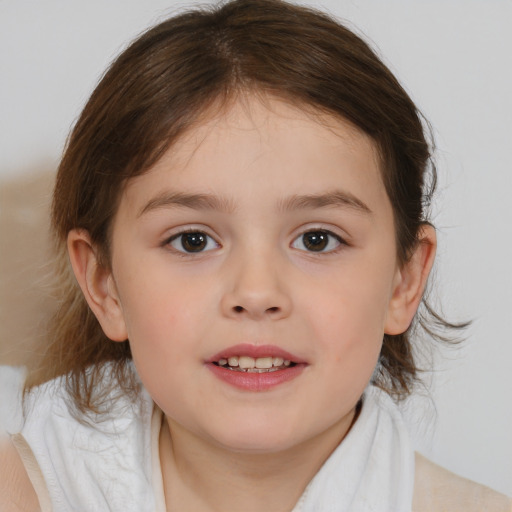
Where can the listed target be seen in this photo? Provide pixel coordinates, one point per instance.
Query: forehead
(265, 145)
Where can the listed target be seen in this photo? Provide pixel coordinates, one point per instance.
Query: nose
(256, 289)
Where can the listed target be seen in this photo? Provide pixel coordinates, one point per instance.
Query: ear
(410, 282)
(97, 284)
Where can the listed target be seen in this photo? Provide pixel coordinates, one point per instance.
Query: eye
(318, 240)
(192, 241)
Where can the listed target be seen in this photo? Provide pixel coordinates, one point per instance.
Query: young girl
(244, 203)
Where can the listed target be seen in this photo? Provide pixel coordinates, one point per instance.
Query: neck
(204, 477)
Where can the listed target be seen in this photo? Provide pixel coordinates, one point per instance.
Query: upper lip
(255, 351)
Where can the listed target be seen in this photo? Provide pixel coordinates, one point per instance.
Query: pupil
(315, 240)
(193, 242)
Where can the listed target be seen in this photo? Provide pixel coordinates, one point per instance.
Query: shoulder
(16, 491)
(70, 456)
(438, 490)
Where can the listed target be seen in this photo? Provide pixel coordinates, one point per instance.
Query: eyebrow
(336, 198)
(193, 201)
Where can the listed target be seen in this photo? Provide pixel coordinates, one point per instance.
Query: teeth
(246, 362)
(264, 362)
(251, 364)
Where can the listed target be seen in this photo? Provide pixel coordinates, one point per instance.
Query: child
(244, 205)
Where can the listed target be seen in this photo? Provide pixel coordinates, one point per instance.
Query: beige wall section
(25, 263)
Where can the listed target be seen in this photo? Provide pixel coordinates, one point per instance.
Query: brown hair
(161, 84)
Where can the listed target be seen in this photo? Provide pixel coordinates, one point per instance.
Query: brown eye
(317, 241)
(193, 241)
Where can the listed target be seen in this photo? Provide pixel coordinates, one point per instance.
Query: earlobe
(97, 284)
(410, 283)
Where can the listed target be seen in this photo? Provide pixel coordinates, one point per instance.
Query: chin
(263, 439)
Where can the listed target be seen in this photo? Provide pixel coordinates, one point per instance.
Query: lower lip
(248, 381)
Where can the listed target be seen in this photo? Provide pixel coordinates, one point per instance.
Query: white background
(454, 57)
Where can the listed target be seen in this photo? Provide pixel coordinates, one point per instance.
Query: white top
(107, 463)
(114, 464)
(371, 470)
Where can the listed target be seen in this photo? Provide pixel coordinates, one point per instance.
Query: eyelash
(202, 237)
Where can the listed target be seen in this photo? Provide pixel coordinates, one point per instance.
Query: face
(254, 267)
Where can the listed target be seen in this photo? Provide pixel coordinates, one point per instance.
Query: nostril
(274, 309)
(238, 309)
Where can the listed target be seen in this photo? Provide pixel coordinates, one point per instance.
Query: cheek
(354, 303)
(352, 340)
(349, 349)
(154, 310)
(350, 313)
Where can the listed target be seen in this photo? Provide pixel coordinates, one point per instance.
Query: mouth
(250, 364)
(256, 367)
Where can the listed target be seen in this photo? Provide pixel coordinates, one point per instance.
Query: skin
(16, 491)
(254, 282)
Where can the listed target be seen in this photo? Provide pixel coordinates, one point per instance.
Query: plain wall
(453, 56)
